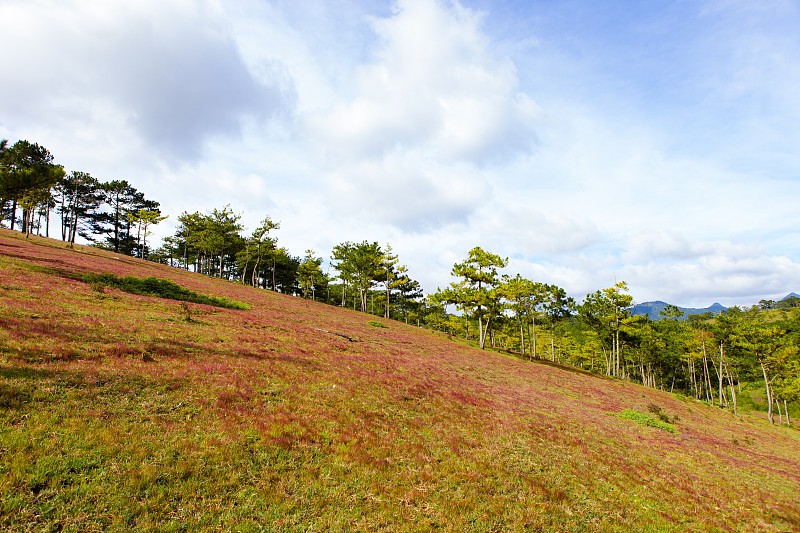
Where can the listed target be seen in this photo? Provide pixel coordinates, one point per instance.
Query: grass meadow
(124, 412)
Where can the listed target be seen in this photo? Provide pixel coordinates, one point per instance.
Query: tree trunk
(116, 224)
(732, 387)
(186, 252)
(786, 410)
(74, 229)
(244, 268)
(255, 271)
(25, 225)
(770, 416)
(707, 377)
(721, 357)
(388, 295)
(13, 212)
(363, 297)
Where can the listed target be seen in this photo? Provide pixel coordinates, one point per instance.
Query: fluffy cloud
(429, 110)
(408, 192)
(167, 71)
(663, 245)
(696, 272)
(730, 281)
(532, 233)
(434, 84)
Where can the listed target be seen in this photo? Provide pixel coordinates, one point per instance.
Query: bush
(158, 288)
(646, 420)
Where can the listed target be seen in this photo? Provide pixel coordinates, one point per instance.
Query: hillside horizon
(653, 308)
(148, 413)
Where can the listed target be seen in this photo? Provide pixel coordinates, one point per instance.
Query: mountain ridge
(653, 308)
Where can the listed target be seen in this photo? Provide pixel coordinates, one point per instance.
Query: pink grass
(424, 420)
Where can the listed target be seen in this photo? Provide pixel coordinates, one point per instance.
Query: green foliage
(158, 288)
(360, 266)
(646, 420)
(113, 226)
(27, 173)
(310, 275)
(377, 324)
(478, 292)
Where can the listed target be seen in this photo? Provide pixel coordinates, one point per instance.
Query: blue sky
(589, 142)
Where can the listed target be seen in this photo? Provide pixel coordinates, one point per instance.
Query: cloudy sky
(652, 142)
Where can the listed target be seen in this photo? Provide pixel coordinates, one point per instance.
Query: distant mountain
(653, 309)
(791, 295)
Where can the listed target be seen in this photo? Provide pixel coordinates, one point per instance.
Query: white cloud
(408, 192)
(728, 280)
(433, 84)
(432, 107)
(529, 232)
(663, 245)
(168, 70)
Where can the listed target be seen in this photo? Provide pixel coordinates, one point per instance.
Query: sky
(589, 142)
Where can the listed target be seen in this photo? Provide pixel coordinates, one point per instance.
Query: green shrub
(646, 420)
(377, 324)
(158, 288)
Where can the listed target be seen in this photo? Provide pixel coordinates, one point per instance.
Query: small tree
(78, 197)
(143, 219)
(477, 292)
(359, 265)
(257, 247)
(121, 200)
(310, 275)
(604, 312)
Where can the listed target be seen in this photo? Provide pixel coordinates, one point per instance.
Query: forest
(716, 359)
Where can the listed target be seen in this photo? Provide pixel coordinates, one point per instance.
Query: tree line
(706, 357)
(34, 190)
(367, 276)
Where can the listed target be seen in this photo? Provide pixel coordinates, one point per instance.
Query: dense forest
(709, 358)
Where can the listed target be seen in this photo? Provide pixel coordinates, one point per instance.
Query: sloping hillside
(122, 412)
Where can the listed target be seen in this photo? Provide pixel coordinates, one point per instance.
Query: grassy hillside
(121, 411)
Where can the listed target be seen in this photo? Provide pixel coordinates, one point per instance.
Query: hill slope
(122, 412)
